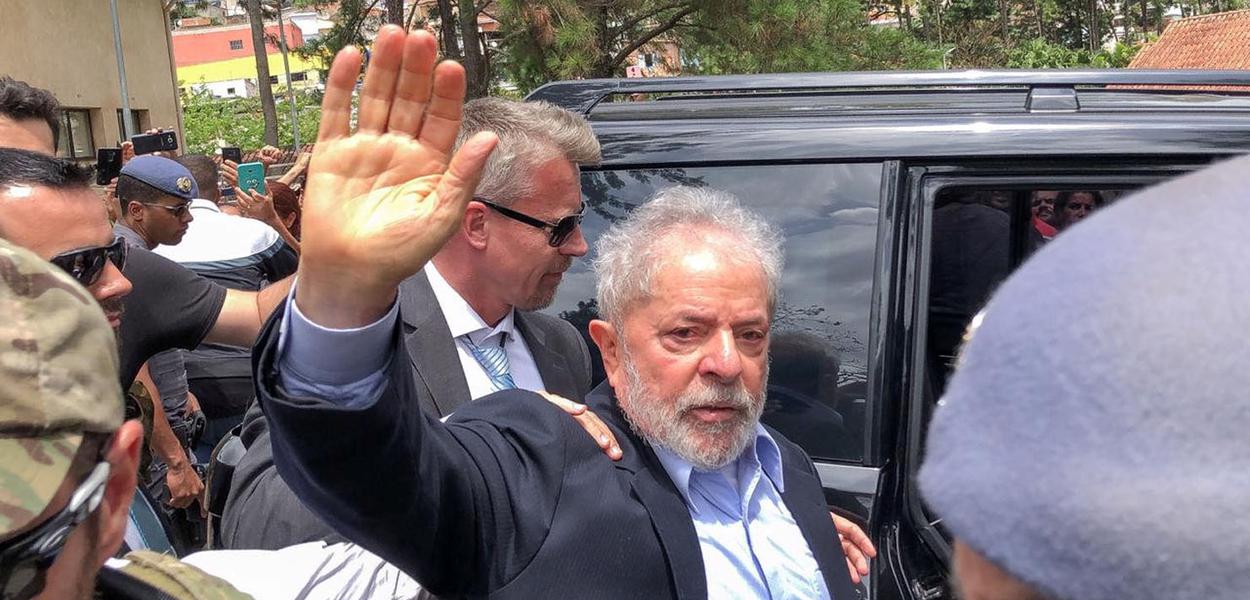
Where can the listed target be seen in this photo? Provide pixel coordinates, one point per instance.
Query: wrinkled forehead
(51, 221)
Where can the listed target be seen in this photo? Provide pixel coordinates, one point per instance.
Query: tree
(257, 18)
(354, 25)
(395, 12)
(477, 72)
(209, 123)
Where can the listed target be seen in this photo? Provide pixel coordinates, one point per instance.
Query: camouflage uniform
(58, 383)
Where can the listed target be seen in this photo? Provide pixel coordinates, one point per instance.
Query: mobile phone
(232, 154)
(252, 177)
(108, 164)
(164, 141)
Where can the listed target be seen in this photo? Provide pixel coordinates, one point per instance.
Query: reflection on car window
(979, 237)
(817, 393)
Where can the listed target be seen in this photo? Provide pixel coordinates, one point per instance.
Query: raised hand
(380, 202)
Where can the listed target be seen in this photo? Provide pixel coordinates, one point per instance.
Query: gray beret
(1095, 438)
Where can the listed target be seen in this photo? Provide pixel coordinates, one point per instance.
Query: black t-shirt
(169, 307)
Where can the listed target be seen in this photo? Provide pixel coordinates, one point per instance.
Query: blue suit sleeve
(346, 367)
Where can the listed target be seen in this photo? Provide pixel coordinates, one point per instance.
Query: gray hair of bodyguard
(530, 133)
(634, 249)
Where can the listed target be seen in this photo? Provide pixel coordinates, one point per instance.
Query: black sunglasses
(86, 265)
(560, 230)
(24, 561)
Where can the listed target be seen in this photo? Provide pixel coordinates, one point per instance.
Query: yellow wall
(66, 46)
(242, 68)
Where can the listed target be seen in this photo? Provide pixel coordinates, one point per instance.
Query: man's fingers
(380, 77)
(457, 185)
(442, 118)
(853, 534)
(569, 406)
(855, 578)
(336, 105)
(412, 93)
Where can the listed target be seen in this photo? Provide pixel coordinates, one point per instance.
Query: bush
(210, 123)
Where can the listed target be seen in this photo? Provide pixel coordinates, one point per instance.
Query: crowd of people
(412, 426)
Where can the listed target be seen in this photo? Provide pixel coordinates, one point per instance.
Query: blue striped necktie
(494, 361)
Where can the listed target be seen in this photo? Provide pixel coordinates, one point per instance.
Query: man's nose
(721, 358)
(576, 245)
(112, 283)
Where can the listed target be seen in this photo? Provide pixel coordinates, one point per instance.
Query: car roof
(881, 115)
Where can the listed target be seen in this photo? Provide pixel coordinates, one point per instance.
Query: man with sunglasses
(155, 195)
(469, 326)
(67, 460)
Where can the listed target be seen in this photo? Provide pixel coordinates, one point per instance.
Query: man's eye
(682, 333)
(753, 336)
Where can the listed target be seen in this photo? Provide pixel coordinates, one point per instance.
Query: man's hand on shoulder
(589, 421)
(380, 202)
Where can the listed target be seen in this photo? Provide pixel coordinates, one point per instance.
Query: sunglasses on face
(560, 230)
(24, 561)
(86, 265)
(179, 211)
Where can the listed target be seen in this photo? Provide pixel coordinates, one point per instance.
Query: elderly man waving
(508, 498)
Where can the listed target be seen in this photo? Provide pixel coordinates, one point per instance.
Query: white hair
(633, 250)
(530, 133)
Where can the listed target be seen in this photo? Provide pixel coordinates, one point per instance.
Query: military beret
(163, 174)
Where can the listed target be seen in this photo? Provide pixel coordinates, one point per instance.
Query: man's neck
(491, 309)
(147, 242)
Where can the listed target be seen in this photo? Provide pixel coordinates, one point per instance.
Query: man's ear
(133, 211)
(607, 338)
(123, 459)
(474, 225)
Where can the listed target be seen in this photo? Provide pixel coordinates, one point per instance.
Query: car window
(828, 214)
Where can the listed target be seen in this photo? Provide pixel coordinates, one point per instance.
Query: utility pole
(127, 120)
(290, 87)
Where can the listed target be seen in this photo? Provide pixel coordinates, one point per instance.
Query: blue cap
(163, 174)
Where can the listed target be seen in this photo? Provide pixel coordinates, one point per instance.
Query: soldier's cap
(58, 381)
(163, 174)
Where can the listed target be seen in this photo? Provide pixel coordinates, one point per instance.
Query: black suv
(905, 198)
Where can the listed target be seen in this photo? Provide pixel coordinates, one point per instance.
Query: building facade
(66, 46)
(220, 60)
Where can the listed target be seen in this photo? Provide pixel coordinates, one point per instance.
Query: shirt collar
(205, 204)
(762, 454)
(461, 318)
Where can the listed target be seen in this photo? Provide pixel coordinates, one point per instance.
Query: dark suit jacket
(261, 512)
(509, 498)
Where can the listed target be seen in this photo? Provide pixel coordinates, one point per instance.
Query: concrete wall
(66, 46)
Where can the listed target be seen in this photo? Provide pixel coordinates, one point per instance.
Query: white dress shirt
(462, 319)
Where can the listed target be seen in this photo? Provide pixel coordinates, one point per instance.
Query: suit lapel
(552, 367)
(817, 527)
(430, 346)
(673, 526)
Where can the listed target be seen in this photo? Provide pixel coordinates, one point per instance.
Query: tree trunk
(477, 84)
(1037, 13)
(395, 12)
(1004, 18)
(262, 71)
(447, 30)
(1095, 36)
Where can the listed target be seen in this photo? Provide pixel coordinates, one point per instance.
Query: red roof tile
(1216, 41)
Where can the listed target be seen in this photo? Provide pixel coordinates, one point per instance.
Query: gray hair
(530, 133)
(633, 250)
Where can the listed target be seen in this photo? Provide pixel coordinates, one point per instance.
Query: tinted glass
(828, 214)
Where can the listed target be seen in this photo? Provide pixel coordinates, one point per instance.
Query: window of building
(817, 391)
(301, 76)
(229, 91)
(236, 44)
(273, 79)
(139, 122)
(74, 140)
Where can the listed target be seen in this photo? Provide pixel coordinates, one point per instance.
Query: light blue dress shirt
(752, 547)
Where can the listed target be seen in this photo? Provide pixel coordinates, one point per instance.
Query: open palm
(380, 202)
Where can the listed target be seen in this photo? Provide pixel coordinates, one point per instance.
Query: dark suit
(509, 498)
(261, 512)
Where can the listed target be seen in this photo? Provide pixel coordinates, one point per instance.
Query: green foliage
(1039, 54)
(210, 122)
(352, 27)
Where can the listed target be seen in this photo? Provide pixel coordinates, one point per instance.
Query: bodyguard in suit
(508, 499)
(468, 326)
